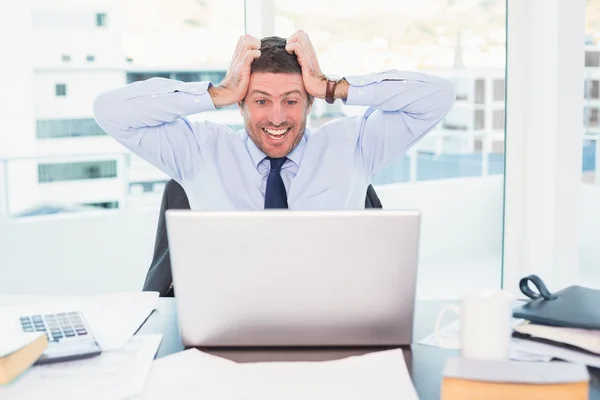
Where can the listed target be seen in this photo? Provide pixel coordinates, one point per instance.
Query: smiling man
(276, 161)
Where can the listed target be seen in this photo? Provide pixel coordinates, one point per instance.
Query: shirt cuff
(362, 89)
(199, 95)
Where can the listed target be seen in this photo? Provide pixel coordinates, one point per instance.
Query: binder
(572, 307)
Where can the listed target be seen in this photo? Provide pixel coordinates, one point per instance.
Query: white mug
(485, 325)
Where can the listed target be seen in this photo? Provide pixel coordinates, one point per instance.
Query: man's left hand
(315, 82)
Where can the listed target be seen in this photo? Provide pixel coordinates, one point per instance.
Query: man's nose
(277, 115)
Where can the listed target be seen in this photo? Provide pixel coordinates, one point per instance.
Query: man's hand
(234, 86)
(315, 82)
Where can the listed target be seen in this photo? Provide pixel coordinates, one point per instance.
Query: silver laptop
(294, 278)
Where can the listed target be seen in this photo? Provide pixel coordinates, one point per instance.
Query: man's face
(275, 111)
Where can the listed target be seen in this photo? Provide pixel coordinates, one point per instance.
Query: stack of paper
(115, 374)
(194, 374)
(524, 350)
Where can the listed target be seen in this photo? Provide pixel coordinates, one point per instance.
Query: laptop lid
(299, 278)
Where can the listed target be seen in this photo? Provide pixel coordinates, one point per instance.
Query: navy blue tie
(275, 195)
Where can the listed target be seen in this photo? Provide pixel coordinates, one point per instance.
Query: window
(478, 120)
(592, 59)
(61, 89)
(76, 171)
(214, 76)
(105, 204)
(90, 58)
(440, 41)
(146, 187)
(498, 120)
(498, 89)
(462, 88)
(589, 240)
(592, 89)
(61, 128)
(479, 91)
(66, 58)
(100, 19)
(591, 117)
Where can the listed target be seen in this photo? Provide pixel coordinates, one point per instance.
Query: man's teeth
(276, 132)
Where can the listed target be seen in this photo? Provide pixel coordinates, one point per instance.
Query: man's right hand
(234, 86)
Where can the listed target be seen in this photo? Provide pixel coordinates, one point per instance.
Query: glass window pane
(464, 41)
(498, 89)
(589, 247)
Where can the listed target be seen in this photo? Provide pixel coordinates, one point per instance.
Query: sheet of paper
(380, 375)
(451, 332)
(551, 351)
(115, 374)
(191, 371)
(112, 318)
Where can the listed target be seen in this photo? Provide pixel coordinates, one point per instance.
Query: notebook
(585, 339)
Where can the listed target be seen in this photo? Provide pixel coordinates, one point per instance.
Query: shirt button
(198, 99)
(360, 93)
(404, 81)
(153, 96)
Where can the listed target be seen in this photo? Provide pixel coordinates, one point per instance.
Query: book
(467, 379)
(18, 353)
(586, 339)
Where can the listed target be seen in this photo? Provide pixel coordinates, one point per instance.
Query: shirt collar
(257, 156)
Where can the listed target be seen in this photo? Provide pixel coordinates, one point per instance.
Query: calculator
(69, 336)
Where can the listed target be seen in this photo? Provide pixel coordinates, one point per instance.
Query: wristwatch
(332, 81)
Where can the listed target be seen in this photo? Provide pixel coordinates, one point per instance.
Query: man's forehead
(276, 84)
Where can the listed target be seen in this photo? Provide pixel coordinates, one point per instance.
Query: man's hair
(275, 59)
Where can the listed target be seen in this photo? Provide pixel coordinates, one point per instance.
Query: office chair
(159, 276)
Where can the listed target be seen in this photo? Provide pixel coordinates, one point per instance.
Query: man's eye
(261, 102)
(292, 102)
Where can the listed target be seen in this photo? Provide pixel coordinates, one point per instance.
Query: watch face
(333, 77)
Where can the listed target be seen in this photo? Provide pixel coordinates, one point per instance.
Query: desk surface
(425, 363)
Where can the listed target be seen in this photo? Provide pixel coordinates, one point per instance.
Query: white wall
(83, 85)
(107, 251)
(69, 27)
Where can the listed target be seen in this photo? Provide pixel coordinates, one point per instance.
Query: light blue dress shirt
(220, 169)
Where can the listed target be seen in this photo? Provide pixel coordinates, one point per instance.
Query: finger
(298, 36)
(250, 42)
(251, 55)
(293, 47)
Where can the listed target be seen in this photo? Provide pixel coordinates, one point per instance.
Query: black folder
(572, 307)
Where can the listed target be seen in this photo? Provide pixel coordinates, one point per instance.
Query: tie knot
(277, 163)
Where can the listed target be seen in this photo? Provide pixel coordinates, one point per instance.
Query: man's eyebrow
(256, 91)
(295, 91)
